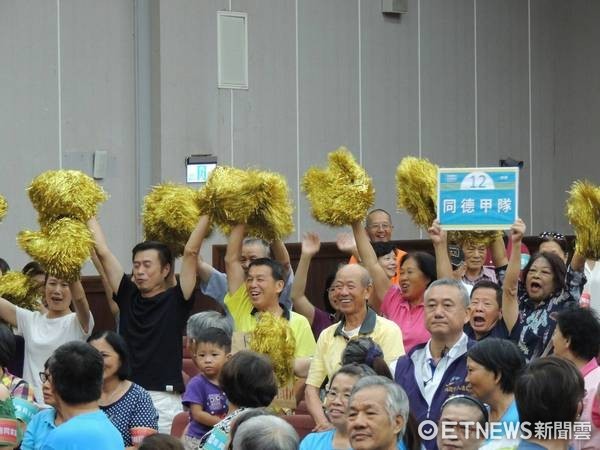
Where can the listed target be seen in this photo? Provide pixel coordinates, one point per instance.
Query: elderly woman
(403, 303)
(577, 339)
(336, 403)
(529, 312)
(493, 365)
(127, 405)
(45, 331)
(248, 380)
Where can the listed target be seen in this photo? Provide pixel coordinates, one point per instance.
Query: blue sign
(478, 199)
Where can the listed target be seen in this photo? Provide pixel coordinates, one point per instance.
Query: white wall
(461, 82)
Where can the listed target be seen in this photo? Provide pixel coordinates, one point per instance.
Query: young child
(203, 396)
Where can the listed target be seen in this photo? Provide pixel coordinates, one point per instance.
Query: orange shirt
(399, 255)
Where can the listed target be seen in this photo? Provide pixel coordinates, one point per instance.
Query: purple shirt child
(200, 390)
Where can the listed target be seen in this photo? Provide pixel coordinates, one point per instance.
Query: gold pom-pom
(273, 337)
(61, 247)
(226, 196)
(65, 193)
(583, 212)
(257, 198)
(170, 215)
(416, 187)
(19, 289)
(3, 207)
(272, 216)
(340, 194)
(476, 237)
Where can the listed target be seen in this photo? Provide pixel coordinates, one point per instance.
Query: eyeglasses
(380, 226)
(44, 376)
(552, 236)
(332, 395)
(479, 404)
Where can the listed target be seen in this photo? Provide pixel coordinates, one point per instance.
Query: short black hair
(383, 248)
(33, 268)
(247, 379)
(489, 284)
(549, 390)
(214, 336)
(119, 346)
(328, 282)
(425, 263)
(76, 372)
(500, 356)
(8, 345)
(160, 441)
(165, 255)
(4, 267)
(277, 270)
(582, 328)
(559, 270)
(364, 350)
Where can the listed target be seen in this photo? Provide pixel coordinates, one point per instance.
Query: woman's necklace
(116, 393)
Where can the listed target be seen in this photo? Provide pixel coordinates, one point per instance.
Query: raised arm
(577, 262)
(381, 282)
(189, 261)
(345, 243)
(233, 266)
(510, 305)
(310, 247)
(439, 239)
(281, 255)
(203, 269)
(108, 292)
(111, 265)
(8, 312)
(499, 252)
(80, 303)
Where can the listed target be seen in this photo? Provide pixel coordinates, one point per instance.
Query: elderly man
(433, 371)
(74, 376)
(352, 289)
(377, 414)
(378, 226)
(460, 417)
(265, 432)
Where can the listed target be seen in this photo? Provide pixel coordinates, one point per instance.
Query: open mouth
(535, 287)
(478, 320)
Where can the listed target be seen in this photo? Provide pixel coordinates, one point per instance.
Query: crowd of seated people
(405, 353)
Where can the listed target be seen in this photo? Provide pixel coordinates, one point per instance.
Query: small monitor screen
(198, 173)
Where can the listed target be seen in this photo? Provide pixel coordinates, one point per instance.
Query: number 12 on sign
(478, 198)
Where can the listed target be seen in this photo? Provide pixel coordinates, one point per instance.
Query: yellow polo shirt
(241, 309)
(332, 342)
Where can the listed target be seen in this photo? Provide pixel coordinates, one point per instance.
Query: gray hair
(208, 319)
(462, 290)
(396, 403)
(260, 242)
(265, 432)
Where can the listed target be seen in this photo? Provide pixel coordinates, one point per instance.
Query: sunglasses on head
(552, 236)
(479, 404)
